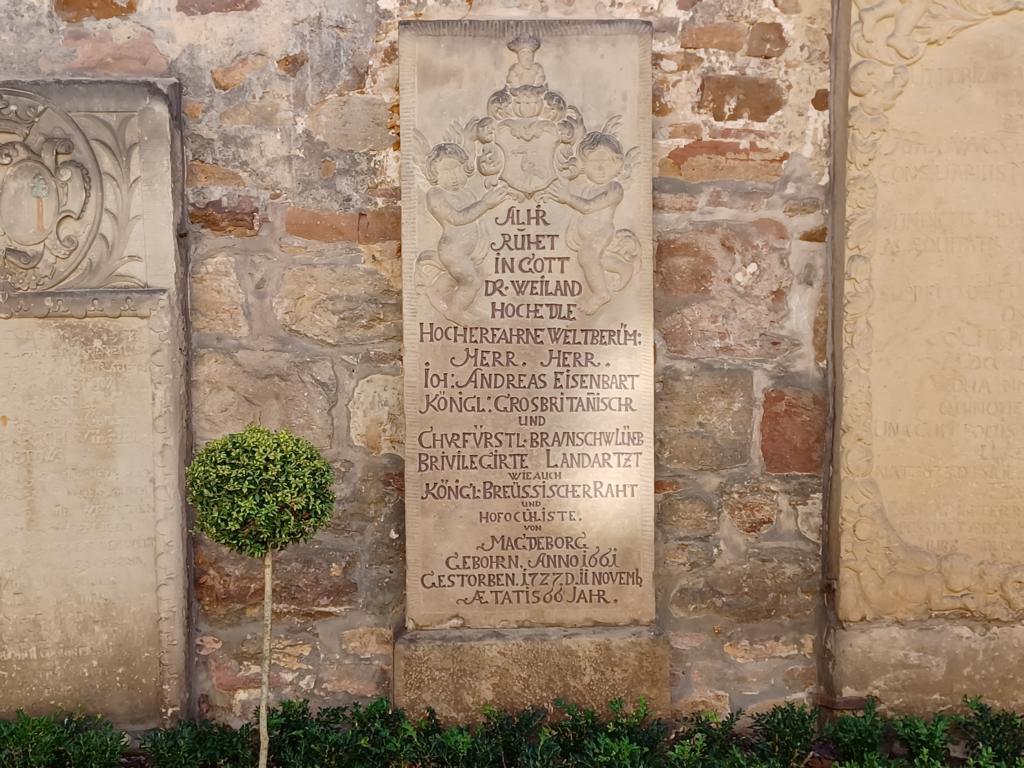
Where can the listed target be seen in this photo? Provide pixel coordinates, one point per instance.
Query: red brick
(202, 174)
(816, 235)
(380, 225)
(820, 100)
(97, 52)
(79, 10)
(726, 160)
(743, 199)
(240, 219)
(234, 74)
(376, 226)
(323, 226)
(292, 63)
(793, 428)
(724, 36)
(673, 62)
(766, 40)
(740, 97)
(685, 264)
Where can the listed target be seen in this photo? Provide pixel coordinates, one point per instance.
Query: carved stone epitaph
(92, 585)
(528, 323)
(932, 414)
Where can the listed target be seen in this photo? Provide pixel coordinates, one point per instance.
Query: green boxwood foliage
(60, 741)
(259, 490)
(378, 735)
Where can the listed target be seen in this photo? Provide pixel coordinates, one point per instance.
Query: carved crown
(18, 120)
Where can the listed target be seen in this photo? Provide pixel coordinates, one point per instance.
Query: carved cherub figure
(592, 234)
(525, 71)
(905, 13)
(447, 168)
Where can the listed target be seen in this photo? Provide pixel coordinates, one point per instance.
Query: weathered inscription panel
(528, 322)
(92, 588)
(933, 381)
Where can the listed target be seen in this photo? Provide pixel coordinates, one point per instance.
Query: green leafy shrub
(378, 735)
(784, 734)
(258, 491)
(999, 731)
(712, 737)
(925, 741)
(60, 741)
(201, 744)
(858, 739)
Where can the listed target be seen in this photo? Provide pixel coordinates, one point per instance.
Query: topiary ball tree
(257, 491)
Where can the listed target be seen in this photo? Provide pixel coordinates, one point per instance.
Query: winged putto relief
(531, 145)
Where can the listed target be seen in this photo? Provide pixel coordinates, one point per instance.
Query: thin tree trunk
(268, 602)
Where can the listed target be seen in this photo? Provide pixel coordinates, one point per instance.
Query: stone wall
(290, 111)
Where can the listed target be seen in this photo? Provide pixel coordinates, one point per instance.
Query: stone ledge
(924, 667)
(457, 672)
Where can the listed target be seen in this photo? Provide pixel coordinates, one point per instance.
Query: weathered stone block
(682, 514)
(374, 226)
(704, 418)
(310, 581)
(203, 174)
(753, 506)
(922, 667)
(234, 74)
(457, 672)
(685, 264)
(375, 414)
(216, 301)
(352, 122)
(270, 388)
(767, 582)
(337, 303)
(742, 272)
(198, 7)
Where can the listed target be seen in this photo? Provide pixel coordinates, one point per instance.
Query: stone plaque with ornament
(92, 439)
(529, 361)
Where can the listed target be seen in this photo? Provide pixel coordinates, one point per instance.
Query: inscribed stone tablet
(526, 187)
(932, 464)
(92, 589)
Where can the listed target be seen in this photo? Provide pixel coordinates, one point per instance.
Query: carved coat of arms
(47, 206)
(531, 145)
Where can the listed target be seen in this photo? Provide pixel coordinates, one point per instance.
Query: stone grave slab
(92, 410)
(526, 232)
(927, 500)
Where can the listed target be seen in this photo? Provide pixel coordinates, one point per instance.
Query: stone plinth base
(924, 667)
(457, 672)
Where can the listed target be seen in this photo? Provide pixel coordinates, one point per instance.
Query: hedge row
(380, 736)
